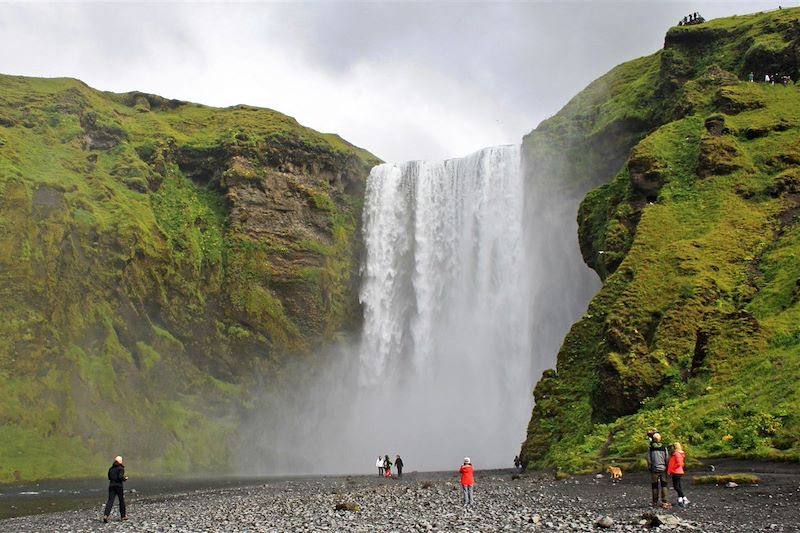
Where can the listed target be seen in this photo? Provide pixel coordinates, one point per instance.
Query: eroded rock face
(646, 176)
(276, 207)
(303, 217)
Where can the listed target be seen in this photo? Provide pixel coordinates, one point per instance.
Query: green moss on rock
(153, 260)
(694, 234)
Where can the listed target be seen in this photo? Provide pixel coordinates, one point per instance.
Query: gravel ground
(431, 502)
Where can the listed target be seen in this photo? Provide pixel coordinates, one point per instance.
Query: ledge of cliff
(692, 224)
(158, 258)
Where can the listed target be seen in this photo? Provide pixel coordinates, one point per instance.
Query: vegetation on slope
(156, 258)
(696, 329)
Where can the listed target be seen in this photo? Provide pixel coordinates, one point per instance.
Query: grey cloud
(505, 64)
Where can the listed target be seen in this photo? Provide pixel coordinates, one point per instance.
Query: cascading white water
(446, 301)
(471, 277)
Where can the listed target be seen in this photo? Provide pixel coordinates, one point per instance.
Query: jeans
(676, 484)
(467, 489)
(115, 491)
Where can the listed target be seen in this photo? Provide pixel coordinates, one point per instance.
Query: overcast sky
(404, 80)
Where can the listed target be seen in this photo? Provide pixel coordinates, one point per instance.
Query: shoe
(123, 519)
(105, 519)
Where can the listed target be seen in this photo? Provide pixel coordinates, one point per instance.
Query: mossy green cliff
(157, 258)
(693, 228)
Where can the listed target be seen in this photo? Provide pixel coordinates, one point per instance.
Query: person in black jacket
(116, 477)
(398, 464)
(387, 466)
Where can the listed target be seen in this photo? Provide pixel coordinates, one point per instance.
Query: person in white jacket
(379, 464)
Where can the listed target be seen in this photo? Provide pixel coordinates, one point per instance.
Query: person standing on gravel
(116, 477)
(379, 464)
(676, 464)
(398, 464)
(657, 461)
(467, 481)
(387, 466)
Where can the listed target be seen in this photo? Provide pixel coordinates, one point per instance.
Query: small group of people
(661, 464)
(692, 18)
(770, 79)
(384, 465)
(783, 79)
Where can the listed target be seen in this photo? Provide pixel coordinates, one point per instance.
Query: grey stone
(604, 522)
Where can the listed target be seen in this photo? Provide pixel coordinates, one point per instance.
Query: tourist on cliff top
(676, 464)
(387, 466)
(467, 480)
(517, 464)
(398, 463)
(379, 464)
(657, 461)
(116, 477)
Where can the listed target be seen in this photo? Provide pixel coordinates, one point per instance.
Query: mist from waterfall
(470, 279)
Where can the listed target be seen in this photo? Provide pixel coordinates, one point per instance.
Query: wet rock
(604, 522)
(347, 506)
(661, 519)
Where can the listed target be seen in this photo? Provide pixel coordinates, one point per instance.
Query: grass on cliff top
(739, 44)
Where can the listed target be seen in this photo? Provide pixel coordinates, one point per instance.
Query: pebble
(604, 522)
(427, 502)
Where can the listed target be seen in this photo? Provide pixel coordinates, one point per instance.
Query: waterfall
(470, 279)
(447, 300)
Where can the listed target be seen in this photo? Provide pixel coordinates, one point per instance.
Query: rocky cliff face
(693, 232)
(156, 259)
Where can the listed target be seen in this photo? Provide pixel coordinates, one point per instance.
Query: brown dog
(616, 473)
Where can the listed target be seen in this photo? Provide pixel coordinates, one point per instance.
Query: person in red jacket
(467, 480)
(675, 469)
